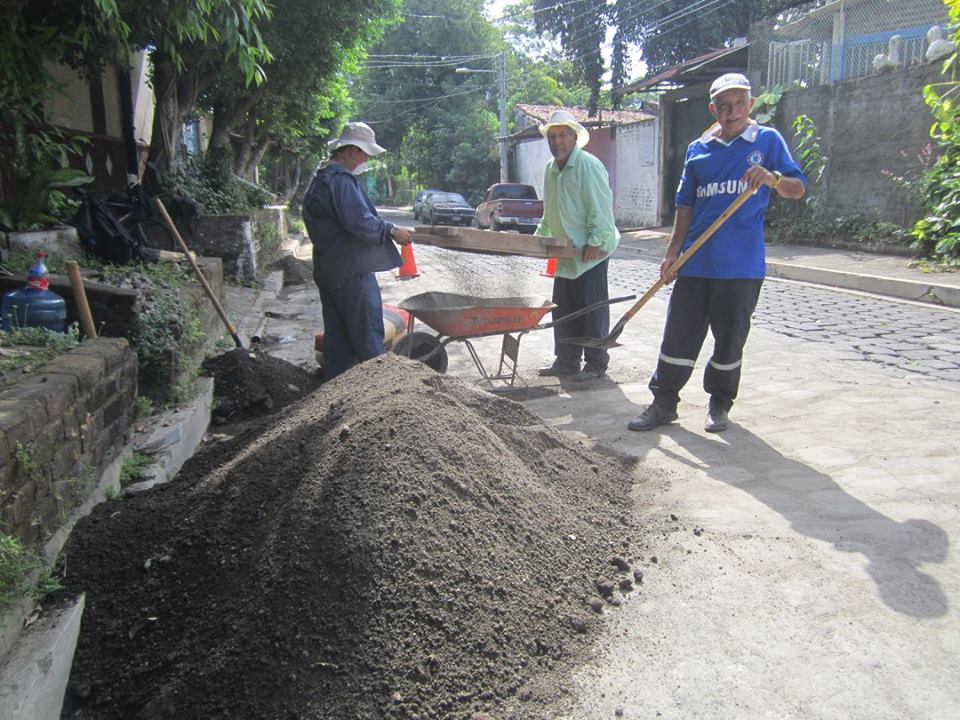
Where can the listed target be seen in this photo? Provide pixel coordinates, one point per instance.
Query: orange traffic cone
(408, 270)
(551, 270)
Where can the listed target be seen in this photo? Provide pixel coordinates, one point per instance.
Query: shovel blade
(602, 342)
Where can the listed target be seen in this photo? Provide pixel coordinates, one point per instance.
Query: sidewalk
(887, 275)
(800, 564)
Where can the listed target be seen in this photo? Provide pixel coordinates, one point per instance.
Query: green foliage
(38, 180)
(170, 326)
(844, 230)
(132, 468)
(35, 347)
(581, 27)
(910, 178)
(305, 90)
(937, 234)
(143, 407)
(218, 191)
(268, 237)
(294, 220)
(48, 584)
(167, 326)
(17, 566)
(765, 107)
(666, 30)
(25, 463)
(85, 34)
(440, 124)
(810, 157)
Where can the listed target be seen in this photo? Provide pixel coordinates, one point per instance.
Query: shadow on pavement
(816, 506)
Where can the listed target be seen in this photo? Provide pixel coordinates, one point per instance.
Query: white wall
(637, 186)
(635, 181)
(532, 157)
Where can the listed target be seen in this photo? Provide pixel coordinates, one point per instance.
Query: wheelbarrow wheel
(418, 345)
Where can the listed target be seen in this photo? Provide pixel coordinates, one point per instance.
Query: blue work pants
(352, 319)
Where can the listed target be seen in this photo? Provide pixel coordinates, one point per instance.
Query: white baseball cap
(359, 134)
(730, 81)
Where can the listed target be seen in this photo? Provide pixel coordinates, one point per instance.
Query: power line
(417, 100)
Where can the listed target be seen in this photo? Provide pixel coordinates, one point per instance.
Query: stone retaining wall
(59, 430)
(237, 239)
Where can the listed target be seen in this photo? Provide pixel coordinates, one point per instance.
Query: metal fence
(832, 40)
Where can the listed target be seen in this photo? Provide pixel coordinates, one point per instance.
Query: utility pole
(502, 91)
(503, 116)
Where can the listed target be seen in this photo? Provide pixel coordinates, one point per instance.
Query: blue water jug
(34, 305)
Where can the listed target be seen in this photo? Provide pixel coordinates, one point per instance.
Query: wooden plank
(491, 241)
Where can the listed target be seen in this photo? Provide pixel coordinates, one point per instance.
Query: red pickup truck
(510, 206)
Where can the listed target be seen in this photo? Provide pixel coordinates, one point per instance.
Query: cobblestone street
(901, 336)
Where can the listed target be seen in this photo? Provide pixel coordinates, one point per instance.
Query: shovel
(196, 270)
(610, 341)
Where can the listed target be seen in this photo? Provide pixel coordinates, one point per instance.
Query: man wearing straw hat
(578, 204)
(350, 244)
(719, 286)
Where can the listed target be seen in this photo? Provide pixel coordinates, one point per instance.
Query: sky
(495, 9)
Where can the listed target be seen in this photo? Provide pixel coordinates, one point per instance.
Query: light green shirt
(578, 205)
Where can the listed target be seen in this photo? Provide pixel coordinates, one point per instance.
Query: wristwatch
(776, 183)
(393, 231)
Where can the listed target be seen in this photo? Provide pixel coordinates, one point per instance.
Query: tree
(668, 31)
(192, 44)
(581, 27)
(86, 34)
(439, 123)
(303, 68)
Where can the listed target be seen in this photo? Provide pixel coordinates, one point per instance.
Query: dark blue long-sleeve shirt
(347, 234)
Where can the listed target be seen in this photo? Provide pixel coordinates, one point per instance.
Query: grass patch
(17, 566)
(23, 350)
(132, 468)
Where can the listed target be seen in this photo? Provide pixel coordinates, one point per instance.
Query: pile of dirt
(397, 545)
(250, 383)
(295, 270)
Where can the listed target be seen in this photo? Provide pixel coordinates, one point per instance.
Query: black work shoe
(717, 420)
(590, 372)
(558, 369)
(653, 416)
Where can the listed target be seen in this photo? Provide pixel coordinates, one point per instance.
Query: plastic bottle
(34, 305)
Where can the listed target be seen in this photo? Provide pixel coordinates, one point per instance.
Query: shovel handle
(681, 261)
(196, 271)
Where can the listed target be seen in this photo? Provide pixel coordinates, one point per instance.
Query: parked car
(510, 206)
(418, 202)
(446, 208)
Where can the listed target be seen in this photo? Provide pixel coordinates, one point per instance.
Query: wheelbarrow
(464, 318)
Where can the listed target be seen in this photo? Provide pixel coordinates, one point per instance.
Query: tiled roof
(604, 116)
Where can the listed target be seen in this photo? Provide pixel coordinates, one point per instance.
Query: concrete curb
(651, 244)
(35, 672)
(175, 439)
(890, 287)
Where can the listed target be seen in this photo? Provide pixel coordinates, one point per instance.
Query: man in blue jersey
(350, 244)
(719, 286)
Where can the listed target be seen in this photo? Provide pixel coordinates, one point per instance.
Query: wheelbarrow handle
(583, 311)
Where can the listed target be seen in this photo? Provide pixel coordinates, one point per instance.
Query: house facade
(868, 111)
(625, 141)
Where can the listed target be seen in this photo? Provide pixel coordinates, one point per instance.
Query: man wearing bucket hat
(350, 244)
(578, 204)
(719, 286)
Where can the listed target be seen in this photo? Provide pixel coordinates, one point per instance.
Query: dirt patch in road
(251, 383)
(396, 545)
